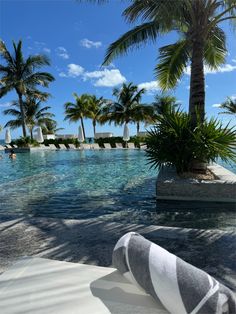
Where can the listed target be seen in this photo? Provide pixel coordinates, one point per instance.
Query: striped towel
(179, 286)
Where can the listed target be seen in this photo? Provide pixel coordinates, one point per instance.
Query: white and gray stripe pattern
(179, 286)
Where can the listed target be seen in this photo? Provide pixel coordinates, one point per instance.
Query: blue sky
(75, 37)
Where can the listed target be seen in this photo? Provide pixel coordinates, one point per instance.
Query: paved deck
(92, 241)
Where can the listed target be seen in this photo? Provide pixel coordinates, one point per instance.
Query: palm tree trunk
(94, 127)
(197, 84)
(22, 114)
(82, 124)
(31, 133)
(138, 128)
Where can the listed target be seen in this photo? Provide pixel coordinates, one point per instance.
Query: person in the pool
(12, 154)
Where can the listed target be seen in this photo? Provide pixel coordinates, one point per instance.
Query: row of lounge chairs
(94, 146)
(82, 146)
(8, 147)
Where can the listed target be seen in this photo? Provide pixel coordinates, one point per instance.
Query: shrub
(25, 142)
(173, 142)
(118, 139)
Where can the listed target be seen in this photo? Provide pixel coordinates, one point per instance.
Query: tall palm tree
(164, 103)
(127, 108)
(35, 115)
(78, 110)
(229, 105)
(201, 40)
(20, 74)
(94, 109)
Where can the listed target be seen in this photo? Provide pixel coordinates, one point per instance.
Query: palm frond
(132, 39)
(173, 61)
(215, 48)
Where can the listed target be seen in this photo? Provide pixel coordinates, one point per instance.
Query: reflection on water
(110, 185)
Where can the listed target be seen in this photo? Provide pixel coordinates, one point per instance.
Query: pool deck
(91, 242)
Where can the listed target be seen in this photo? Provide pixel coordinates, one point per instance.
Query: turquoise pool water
(114, 185)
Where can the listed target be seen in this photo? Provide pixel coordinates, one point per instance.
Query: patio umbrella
(8, 136)
(81, 135)
(126, 137)
(39, 136)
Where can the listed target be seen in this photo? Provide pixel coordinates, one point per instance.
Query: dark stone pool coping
(91, 241)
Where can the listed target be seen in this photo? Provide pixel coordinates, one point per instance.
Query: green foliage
(127, 108)
(25, 142)
(229, 106)
(35, 115)
(173, 142)
(118, 139)
(21, 75)
(62, 141)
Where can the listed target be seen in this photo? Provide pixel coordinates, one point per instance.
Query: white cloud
(73, 70)
(62, 52)
(150, 87)
(90, 44)
(6, 104)
(225, 68)
(234, 60)
(106, 77)
(47, 50)
(102, 78)
(216, 105)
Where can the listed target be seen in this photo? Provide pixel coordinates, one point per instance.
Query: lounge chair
(72, 146)
(8, 146)
(143, 146)
(95, 146)
(51, 286)
(107, 145)
(85, 146)
(119, 145)
(1, 147)
(52, 146)
(43, 146)
(62, 146)
(15, 146)
(131, 146)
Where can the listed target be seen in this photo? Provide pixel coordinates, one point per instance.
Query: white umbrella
(126, 137)
(39, 136)
(8, 136)
(81, 135)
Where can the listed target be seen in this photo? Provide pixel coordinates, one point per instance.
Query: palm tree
(50, 127)
(143, 113)
(20, 74)
(201, 41)
(229, 105)
(78, 110)
(94, 109)
(164, 104)
(127, 108)
(35, 115)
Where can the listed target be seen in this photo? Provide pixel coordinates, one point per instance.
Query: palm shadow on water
(85, 229)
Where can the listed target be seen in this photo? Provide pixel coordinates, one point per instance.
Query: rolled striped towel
(179, 286)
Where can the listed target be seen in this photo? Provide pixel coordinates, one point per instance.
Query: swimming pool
(113, 185)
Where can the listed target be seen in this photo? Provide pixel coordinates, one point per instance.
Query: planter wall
(170, 186)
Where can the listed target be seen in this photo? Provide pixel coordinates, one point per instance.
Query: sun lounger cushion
(179, 286)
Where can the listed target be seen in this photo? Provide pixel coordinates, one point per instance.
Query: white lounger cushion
(85, 146)
(107, 145)
(42, 286)
(62, 146)
(71, 146)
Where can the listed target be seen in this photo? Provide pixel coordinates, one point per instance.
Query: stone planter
(170, 186)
